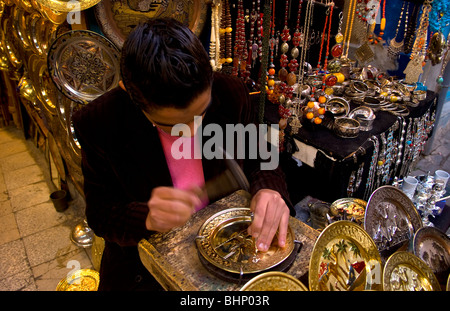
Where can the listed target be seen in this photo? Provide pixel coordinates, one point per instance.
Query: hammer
(232, 179)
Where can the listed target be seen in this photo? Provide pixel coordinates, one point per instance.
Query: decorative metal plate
(433, 247)
(80, 280)
(224, 242)
(118, 17)
(274, 281)
(68, 5)
(19, 26)
(84, 65)
(11, 46)
(406, 272)
(352, 207)
(391, 217)
(344, 258)
(44, 88)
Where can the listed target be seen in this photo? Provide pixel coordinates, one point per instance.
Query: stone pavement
(35, 246)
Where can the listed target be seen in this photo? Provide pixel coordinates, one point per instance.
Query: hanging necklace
(293, 64)
(239, 42)
(285, 37)
(225, 35)
(440, 78)
(349, 26)
(214, 47)
(295, 122)
(396, 47)
(414, 67)
(323, 38)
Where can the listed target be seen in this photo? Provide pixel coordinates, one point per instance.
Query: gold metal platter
(224, 242)
(68, 5)
(433, 247)
(42, 83)
(9, 43)
(19, 26)
(352, 207)
(117, 18)
(84, 65)
(391, 218)
(344, 258)
(274, 281)
(405, 271)
(81, 280)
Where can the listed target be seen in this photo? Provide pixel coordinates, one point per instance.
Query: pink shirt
(185, 173)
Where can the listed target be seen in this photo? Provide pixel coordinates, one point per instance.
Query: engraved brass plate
(84, 65)
(391, 217)
(224, 242)
(274, 281)
(344, 258)
(80, 280)
(118, 17)
(406, 272)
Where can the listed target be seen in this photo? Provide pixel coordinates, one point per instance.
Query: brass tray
(433, 247)
(405, 271)
(80, 280)
(391, 217)
(84, 65)
(117, 18)
(274, 281)
(346, 258)
(67, 5)
(224, 242)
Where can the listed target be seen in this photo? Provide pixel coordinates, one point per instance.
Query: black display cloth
(337, 147)
(328, 180)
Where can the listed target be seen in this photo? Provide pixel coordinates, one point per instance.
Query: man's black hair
(164, 64)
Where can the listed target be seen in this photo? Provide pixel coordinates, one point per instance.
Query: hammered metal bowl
(346, 127)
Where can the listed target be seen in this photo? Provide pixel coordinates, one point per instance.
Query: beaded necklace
(415, 65)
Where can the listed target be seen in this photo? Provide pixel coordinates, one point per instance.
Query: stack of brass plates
(344, 258)
(223, 242)
(406, 272)
(80, 280)
(274, 281)
(391, 218)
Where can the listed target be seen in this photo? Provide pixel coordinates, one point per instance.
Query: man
(133, 184)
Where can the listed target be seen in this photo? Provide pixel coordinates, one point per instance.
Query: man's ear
(122, 86)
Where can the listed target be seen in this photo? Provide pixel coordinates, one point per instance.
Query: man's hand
(270, 214)
(170, 208)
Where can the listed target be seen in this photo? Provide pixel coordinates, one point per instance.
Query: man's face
(167, 118)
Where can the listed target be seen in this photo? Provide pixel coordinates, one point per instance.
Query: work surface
(172, 258)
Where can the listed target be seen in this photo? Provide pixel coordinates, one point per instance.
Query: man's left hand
(271, 214)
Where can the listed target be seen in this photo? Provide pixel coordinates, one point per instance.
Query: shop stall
(344, 82)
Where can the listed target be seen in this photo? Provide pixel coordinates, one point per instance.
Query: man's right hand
(169, 208)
